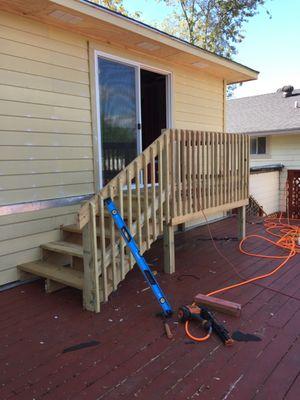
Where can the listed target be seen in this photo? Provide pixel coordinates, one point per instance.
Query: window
(258, 145)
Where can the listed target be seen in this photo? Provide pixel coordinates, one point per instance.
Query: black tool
(207, 320)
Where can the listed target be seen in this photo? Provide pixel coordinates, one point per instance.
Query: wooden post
(91, 292)
(169, 249)
(241, 222)
(52, 286)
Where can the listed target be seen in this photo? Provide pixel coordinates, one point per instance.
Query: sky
(271, 46)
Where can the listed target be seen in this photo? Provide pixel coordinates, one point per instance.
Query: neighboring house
(273, 122)
(71, 73)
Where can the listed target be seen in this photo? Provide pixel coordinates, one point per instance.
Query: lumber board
(225, 306)
(64, 275)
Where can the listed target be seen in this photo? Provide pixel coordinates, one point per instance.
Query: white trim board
(138, 66)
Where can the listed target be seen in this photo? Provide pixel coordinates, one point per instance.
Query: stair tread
(64, 248)
(64, 275)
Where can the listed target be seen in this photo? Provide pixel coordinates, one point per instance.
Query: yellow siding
(45, 133)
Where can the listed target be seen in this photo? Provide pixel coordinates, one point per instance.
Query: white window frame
(256, 154)
(138, 66)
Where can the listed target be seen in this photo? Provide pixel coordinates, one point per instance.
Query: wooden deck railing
(174, 180)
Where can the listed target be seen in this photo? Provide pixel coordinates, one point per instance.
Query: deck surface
(134, 359)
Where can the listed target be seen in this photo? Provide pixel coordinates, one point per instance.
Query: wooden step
(62, 247)
(65, 275)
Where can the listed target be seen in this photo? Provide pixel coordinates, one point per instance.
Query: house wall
(45, 133)
(264, 187)
(46, 129)
(284, 149)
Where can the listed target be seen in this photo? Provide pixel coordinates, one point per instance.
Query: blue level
(141, 262)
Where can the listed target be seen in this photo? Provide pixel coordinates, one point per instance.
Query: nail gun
(207, 320)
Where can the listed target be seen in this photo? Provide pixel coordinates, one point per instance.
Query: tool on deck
(207, 320)
(144, 267)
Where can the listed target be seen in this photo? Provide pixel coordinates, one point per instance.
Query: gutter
(266, 168)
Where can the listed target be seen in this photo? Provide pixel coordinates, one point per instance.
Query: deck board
(134, 359)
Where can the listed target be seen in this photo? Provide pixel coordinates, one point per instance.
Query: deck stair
(178, 176)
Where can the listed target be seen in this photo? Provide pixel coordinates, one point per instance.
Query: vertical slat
(204, 176)
(208, 162)
(146, 199)
(129, 209)
(241, 167)
(113, 246)
(183, 169)
(189, 171)
(213, 169)
(199, 172)
(172, 174)
(235, 167)
(153, 192)
(178, 172)
(195, 162)
(138, 203)
(95, 275)
(231, 144)
(103, 248)
(160, 185)
(122, 242)
(166, 171)
(247, 163)
(224, 169)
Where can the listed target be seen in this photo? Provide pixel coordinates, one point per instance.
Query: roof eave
(239, 72)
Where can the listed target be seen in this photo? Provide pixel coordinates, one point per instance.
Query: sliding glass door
(119, 116)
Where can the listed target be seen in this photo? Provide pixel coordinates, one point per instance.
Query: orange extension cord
(288, 235)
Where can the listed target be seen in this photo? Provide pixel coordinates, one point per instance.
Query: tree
(214, 25)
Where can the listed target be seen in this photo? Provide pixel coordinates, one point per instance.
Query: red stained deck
(134, 358)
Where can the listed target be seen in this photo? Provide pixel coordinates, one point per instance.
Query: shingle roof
(264, 113)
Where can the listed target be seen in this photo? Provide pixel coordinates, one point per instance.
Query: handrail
(178, 176)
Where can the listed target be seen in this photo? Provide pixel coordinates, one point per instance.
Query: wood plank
(102, 234)
(153, 192)
(211, 210)
(146, 198)
(112, 245)
(225, 306)
(204, 171)
(62, 247)
(160, 184)
(129, 206)
(183, 173)
(189, 171)
(138, 204)
(169, 249)
(166, 172)
(64, 275)
(122, 242)
(194, 170)
(172, 173)
(178, 172)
